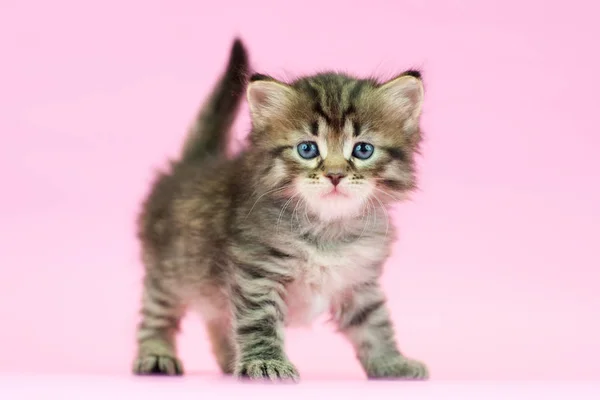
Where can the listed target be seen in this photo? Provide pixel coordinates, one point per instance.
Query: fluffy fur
(269, 238)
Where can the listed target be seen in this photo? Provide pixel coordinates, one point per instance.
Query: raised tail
(209, 134)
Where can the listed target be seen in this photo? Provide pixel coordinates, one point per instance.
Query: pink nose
(335, 178)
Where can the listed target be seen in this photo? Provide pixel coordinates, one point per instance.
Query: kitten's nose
(335, 178)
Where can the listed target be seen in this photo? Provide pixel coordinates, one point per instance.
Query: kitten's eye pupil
(308, 150)
(363, 151)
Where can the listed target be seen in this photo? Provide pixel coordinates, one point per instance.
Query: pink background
(497, 272)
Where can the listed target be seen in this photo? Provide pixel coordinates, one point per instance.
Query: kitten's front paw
(157, 365)
(273, 369)
(397, 367)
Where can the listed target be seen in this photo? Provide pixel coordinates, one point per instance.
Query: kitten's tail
(209, 133)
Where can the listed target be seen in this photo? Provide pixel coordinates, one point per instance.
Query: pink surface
(497, 272)
(193, 387)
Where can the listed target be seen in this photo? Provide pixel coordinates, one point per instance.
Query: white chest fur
(326, 273)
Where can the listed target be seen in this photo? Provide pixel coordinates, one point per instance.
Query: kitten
(293, 226)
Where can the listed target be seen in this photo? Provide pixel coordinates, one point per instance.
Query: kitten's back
(205, 145)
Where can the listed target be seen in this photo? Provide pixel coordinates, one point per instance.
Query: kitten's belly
(327, 275)
(305, 303)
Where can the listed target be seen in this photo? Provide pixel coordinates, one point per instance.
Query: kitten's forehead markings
(322, 141)
(348, 139)
(316, 127)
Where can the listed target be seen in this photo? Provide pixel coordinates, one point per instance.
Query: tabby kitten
(294, 225)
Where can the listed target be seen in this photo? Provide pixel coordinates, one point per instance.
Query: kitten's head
(338, 142)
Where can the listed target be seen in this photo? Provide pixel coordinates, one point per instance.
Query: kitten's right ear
(267, 98)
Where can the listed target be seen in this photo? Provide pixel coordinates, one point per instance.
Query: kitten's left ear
(403, 96)
(267, 98)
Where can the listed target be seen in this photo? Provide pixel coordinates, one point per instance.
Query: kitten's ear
(267, 98)
(403, 96)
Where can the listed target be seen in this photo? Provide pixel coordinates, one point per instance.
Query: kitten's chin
(336, 206)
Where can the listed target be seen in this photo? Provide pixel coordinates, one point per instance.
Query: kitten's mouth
(335, 192)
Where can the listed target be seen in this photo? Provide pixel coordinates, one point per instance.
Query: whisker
(367, 219)
(387, 217)
(306, 212)
(263, 195)
(303, 203)
(283, 210)
(294, 212)
(387, 194)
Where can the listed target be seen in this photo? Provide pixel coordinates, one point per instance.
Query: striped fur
(258, 242)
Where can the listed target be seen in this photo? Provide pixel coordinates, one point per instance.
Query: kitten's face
(340, 144)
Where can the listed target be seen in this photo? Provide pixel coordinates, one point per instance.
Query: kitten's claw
(157, 365)
(397, 367)
(274, 370)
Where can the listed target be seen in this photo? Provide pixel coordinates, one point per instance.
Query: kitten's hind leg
(221, 338)
(161, 315)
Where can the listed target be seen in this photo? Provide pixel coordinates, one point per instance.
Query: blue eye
(363, 151)
(308, 150)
